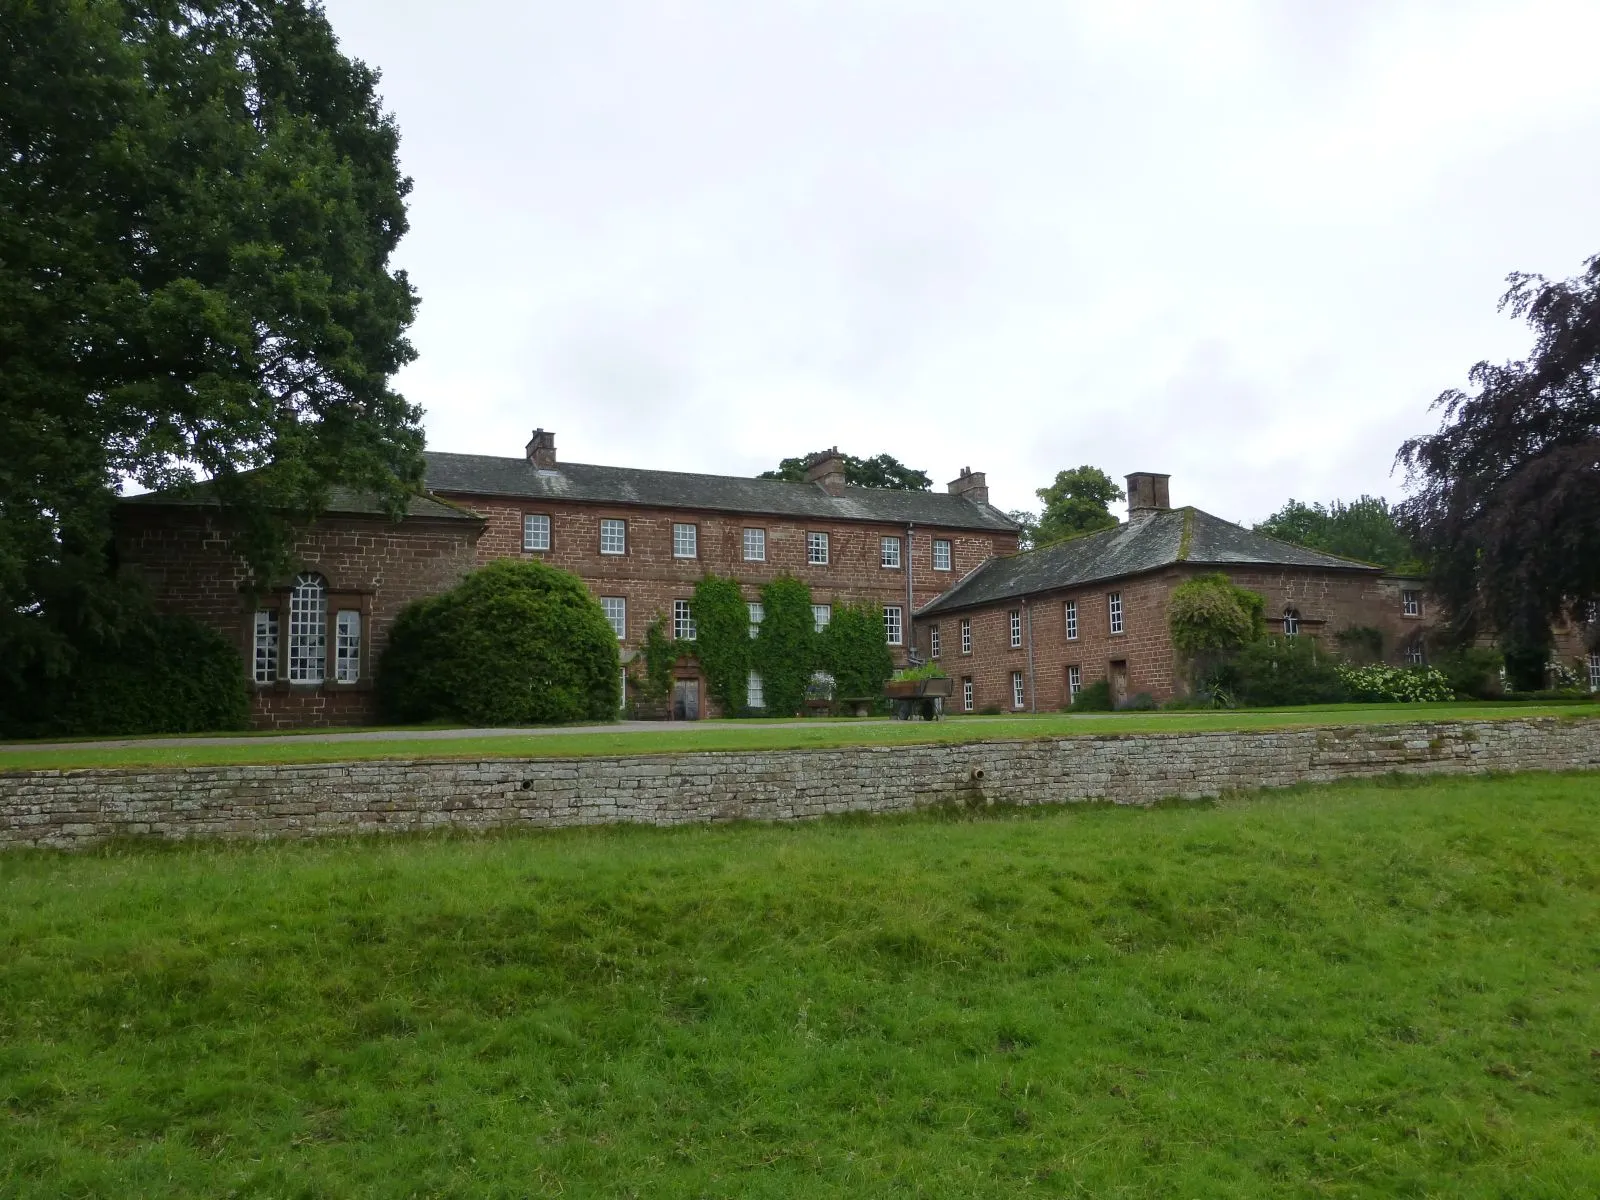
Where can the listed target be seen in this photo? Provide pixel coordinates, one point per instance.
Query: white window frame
(1114, 611)
(941, 554)
(1019, 697)
(536, 532)
(1070, 614)
(933, 641)
(685, 540)
(816, 549)
(893, 624)
(889, 553)
(1015, 617)
(966, 635)
(683, 627)
(613, 536)
(755, 544)
(755, 694)
(1414, 653)
(616, 609)
(265, 666)
(966, 694)
(308, 629)
(1291, 622)
(347, 646)
(1411, 603)
(1074, 682)
(821, 617)
(1594, 670)
(758, 613)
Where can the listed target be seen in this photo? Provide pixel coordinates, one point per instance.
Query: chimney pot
(542, 448)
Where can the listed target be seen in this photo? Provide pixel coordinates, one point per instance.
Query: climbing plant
(854, 650)
(786, 647)
(722, 639)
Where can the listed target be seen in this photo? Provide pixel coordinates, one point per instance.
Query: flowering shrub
(1378, 684)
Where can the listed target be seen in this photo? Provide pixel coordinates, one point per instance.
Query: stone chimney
(1147, 493)
(974, 485)
(542, 448)
(826, 469)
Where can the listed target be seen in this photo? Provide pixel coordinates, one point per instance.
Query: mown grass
(1381, 989)
(738, 735)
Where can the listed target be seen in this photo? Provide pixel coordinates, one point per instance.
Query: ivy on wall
(855, 651)
(786, 648)
(723, 643)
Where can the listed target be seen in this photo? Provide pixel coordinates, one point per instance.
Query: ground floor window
(1594, 672)
(266, 645)
(1016, 689)
(933, 641)
(966, 694)
(1074, 683)
(347, 646)
(754, 697)
(891, 624)
(1414, 655)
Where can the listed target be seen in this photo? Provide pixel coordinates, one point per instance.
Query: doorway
(1119, 683)
(686, 700)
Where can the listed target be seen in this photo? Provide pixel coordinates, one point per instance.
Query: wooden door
(686, 700)
(1119, 683)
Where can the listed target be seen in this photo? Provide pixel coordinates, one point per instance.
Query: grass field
(1382, 989)
(741, 735)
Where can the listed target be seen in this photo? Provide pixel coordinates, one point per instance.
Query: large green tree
(1507, 507)
(1077, 502)
(1365, 529)
(198, 203)
(880, 471)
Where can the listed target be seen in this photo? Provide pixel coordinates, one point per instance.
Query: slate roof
(342, 501)
(483, 475)
(1163, 539)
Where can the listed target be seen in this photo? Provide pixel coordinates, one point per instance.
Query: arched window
(1291, 622)
(308, 629)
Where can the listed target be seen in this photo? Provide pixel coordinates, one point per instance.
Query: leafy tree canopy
(1078, 502)
(1211, 615)
(1507, 511)
(1365, 529)
(198, 202)
(880, 471)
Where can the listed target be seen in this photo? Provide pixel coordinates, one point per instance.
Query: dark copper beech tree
(1507, 507)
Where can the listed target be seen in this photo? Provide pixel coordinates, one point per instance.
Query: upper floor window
(266, 645)
(613, 536)
(535, 531)
(966, 635)
(821, 614)
(1291, 622)
(1114, 610)
(933, 641)
(817, 549)
(755, 545)
(617, 613)
(685, 541)
(891, 623)
(890, 553)
(941, 554)
(308, 629)
(683, 621)
(757, 612)
(1071, 611)
(347, 646)
(1411, 603)
(1016, 627)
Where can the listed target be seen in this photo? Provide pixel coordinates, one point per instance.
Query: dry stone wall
(74, 809)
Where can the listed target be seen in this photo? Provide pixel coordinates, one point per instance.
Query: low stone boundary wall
(79, 808)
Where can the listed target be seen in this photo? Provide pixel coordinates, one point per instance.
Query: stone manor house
(1018, 631)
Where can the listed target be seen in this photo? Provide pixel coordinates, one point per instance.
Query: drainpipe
(1033, 692)
(911, 607)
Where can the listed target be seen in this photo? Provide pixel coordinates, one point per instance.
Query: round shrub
(1209, 615)
(515, 643)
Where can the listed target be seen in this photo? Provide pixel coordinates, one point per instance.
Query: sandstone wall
(74, 809)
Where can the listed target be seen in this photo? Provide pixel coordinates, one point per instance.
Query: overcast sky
(1245, 244)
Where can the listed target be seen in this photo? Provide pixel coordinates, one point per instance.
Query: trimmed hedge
(165, 674)
(515, 643)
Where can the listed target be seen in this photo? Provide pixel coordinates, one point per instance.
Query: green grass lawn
(740, 735)
(1376, 989)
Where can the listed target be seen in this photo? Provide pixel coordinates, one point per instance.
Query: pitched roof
(483, 475)
(1148, 543)
(342, 501)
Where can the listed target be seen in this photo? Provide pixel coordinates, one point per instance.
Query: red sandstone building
(1016, 631)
